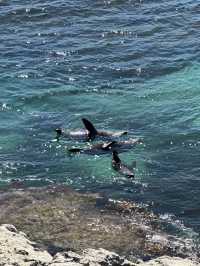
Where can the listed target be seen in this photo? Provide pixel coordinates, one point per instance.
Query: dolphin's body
(95, 149)
(89, 133)
(78, 134)
(120, 167)
(106, 147)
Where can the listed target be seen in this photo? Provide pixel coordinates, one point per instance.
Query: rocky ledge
(17, 250)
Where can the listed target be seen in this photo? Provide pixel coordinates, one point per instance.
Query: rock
(170, 261)
(90, 257)
(16, 249)
(104, 257)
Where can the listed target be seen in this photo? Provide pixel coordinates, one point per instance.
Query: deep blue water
(123, 64)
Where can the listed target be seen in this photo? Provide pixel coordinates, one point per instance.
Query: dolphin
(89, 133)
(120, 167)
(106, 147)
(94, 149)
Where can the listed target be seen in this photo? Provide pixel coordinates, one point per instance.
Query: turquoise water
(129, 65)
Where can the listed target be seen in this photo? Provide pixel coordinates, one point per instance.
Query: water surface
(123, 64)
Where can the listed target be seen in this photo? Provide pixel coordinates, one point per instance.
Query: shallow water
(123, 64)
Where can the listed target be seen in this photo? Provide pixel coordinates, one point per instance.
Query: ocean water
(123, 64)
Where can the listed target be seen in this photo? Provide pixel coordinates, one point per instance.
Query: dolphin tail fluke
(89, 126)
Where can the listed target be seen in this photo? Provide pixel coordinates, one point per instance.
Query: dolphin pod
(88, 133)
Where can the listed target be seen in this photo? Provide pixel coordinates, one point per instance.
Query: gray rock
(16, 249)
(170, 261)
(90, 257)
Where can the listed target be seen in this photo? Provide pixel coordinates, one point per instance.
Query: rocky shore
(17, 250)
(58, 226)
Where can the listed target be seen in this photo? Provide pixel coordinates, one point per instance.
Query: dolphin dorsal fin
(89, 126)
(107, 146)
